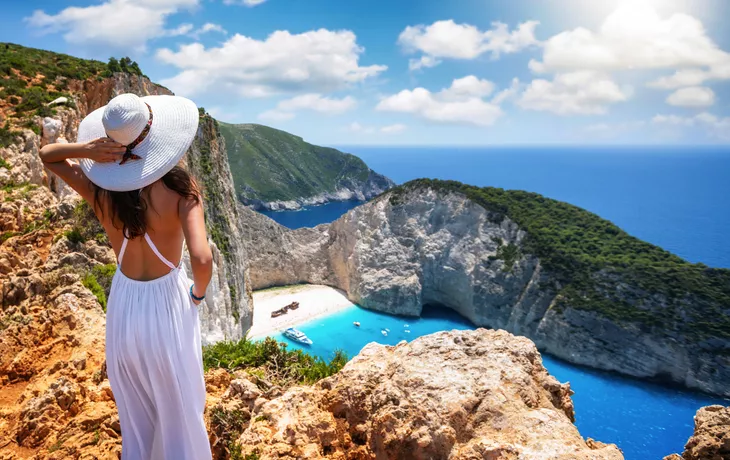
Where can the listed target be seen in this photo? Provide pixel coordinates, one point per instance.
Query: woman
(128, 153)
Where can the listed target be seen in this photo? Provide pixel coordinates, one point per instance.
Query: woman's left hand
(103, 150)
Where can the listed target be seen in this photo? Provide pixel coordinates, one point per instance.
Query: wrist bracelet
(194, 296)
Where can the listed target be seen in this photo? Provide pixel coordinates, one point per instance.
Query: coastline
(314, 301)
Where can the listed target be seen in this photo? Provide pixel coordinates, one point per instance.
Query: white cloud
(715, 126)
(632, 37)
(114, 24)
(285, 110)
(182, 29)
(462, 103)
(424, 61)
(695, 96)
(393, 129)
(356, 127)
(693, 77)
(447, 39)
(249, 3)
(208, 27)
(582, 92)
(315, 61)
(507, 93)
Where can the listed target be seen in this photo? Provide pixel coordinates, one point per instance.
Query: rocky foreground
(458, 395)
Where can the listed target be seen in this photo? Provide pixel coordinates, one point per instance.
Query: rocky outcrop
(423, 246)
(54, 396)
(458, 395)
(711, 438)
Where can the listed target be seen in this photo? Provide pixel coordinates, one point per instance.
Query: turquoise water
(646, 421)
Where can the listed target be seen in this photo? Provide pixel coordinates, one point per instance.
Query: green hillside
(272, 165)
(599, 267)
(30, 78)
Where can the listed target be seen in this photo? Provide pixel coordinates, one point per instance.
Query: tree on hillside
(113, 65)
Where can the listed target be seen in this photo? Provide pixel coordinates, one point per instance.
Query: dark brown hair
(128, 208)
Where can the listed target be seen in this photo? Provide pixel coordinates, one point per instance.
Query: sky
(419, 72)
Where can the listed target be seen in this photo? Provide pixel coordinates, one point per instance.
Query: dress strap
(157, 252)
(121, 251)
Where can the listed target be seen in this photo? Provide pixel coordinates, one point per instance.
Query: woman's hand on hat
(104, 150)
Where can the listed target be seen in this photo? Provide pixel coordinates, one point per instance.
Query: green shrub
(288, 366)
(7, 135)
(99, 281)
(74, 236)
(85, 225)
(7, 235)
(4, 164)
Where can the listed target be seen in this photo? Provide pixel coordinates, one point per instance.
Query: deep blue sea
(677, 198)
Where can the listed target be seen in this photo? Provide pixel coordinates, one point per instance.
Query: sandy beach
(314, 301)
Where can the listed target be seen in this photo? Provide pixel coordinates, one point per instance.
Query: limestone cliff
(229, 306)
(711, 438)
(423, 245)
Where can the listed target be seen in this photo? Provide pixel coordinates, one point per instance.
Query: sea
(675, 197)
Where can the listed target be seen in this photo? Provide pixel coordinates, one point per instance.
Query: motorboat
(384, 332)
(356, 323)
(297, 336)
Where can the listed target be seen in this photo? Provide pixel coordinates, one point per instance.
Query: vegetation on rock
(99, 281)
(599, 267)
(283, 365)
(272, 165)
(30, 78)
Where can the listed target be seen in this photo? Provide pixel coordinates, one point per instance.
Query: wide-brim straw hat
(173, 123)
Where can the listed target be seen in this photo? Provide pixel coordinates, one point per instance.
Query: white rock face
(228, 308)
(441, 248)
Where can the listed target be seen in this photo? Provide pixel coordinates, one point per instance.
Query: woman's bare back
(163, 227)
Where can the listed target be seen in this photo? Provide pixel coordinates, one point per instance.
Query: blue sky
(467, 72)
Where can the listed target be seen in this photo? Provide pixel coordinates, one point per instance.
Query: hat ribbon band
(128, 155)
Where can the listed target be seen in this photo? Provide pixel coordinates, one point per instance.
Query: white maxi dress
(155, 365)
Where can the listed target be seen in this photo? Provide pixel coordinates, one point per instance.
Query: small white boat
(384, 332)
(387, 330)
(407, 331)
(356, 323)
(405, 325)
(297, 336)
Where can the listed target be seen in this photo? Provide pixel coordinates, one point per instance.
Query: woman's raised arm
(55, 157)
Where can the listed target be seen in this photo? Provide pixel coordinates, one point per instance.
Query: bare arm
(55, 157)
(201, 258)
